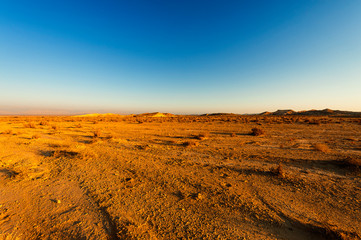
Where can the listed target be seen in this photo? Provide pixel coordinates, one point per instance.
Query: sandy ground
(179, 178)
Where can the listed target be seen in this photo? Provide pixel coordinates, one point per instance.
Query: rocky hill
(313, 112)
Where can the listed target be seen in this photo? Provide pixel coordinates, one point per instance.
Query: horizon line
(64, 113)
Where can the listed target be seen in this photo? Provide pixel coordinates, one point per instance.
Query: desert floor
(185, 177)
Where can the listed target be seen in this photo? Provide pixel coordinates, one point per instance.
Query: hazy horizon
(25, 111)
(179, 56)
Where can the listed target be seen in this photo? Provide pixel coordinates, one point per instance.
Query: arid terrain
(180, 177)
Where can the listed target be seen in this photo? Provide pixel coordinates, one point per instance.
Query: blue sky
(179, 56)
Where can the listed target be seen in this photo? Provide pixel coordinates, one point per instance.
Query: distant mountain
(324, 112)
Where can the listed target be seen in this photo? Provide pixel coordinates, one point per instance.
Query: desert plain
(180, 177)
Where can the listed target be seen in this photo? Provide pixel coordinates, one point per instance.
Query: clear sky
(180, 56)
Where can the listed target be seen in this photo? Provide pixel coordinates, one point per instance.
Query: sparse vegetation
(313, 121)
(257, 132)
(202, 136)
(190, 144)
(97, 134)
(8, 131)
(29, 125)
(63, 154)
(322, 147)
(44, 123)
(278, 171)
(35, 136)
(156, 170)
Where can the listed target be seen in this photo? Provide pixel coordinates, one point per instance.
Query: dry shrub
(97, 133)
(55, 127)
(315, 122)
(322, 147)
(9, 131)
(63, 154)
(202, 136)
(44, 123)
(257, 132)
(57, 145)
(72, 154)
(233, 134)
(190, 144)
(143, 147)
(29, 125)
(35, 136)
(278, 171)
(110, 136)
(172, 142)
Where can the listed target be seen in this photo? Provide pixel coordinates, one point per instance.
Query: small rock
(200, 196)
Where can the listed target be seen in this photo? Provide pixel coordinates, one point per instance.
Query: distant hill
(324, 112)
(156, 114)
(219, 114)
